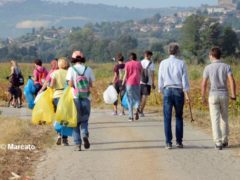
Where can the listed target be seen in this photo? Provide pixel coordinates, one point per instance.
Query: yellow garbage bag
(66, 110)
(43, 111)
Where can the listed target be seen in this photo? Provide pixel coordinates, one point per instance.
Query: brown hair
(133, 56)
(38, 62)
(120, 57)
(148, 53)
(216, 52)
(173, 49)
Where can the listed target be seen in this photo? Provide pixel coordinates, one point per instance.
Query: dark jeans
(120, 90)
(173, 98)
(83, 113)
(55, 103)
(37, 87)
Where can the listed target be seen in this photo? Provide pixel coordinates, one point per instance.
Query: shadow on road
(127, 126)
(121, 142)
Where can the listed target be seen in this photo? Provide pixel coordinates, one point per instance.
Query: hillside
(20, 16)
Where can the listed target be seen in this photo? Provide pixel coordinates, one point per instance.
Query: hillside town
(222, 12)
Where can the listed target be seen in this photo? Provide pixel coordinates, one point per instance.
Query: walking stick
(155, 95)
(190, 110)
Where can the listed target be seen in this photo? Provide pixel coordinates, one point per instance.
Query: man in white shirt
(147, 79)
(173, 83)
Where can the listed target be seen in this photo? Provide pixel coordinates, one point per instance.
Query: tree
(158, 47)
(229, 42)
(201, 33)
(191, 36)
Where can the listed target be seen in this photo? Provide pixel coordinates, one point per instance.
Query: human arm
(52, 83)
(12, 71)
(35, 73)
(114, 77)
(204, 90)
(125, 75)
(160, 78)
(185, 83)
(44, 86)
(232, 84)
(69, 77)
(185, 80)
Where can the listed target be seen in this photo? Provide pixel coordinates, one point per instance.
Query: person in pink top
(54, 67)
(39, 75)
(132, 77)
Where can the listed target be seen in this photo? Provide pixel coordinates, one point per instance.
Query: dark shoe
(142, 114)
(65, 142)
(86, 143)
(59, 141)
(225, 145)
(168, 146)
(179, 145)
(137, 116)
(130, 119)
(78, 147)
(218, 147)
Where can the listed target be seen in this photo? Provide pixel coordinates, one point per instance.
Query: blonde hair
(63, 63)
(14, 64)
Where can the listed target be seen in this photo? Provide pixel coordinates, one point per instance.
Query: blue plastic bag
(63, 130)
(125, 101)
(29, 91)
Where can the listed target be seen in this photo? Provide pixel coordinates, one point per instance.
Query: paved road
(135, 151)
(22, 113)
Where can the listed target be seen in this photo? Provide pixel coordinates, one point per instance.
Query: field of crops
(104, 75)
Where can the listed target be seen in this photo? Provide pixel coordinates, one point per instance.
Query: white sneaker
(142, 114)
(114, 113)
(122, 114)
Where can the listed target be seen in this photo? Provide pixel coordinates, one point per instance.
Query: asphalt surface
(122, 150)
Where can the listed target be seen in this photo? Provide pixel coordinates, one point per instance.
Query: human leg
(167, 111)
(178, 105)
(224, 119)
(214, 107)
(130, 101)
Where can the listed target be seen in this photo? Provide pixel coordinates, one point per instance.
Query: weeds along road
(121, 150)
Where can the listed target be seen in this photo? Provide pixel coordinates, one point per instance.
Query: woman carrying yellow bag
(58, 81)
(43, 112)
(66, 110)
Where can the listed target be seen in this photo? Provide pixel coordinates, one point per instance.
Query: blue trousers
(83, 113)
(133, 95)
(173, 97)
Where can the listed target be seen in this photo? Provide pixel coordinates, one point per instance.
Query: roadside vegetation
(18, 132)
(14, 130)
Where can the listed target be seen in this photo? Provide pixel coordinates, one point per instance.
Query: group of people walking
(136, 79)
(173, 83)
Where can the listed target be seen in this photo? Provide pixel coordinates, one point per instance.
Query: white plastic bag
(38, 97)
(110, 95)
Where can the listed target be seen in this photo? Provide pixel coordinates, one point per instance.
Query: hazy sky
(148, 3)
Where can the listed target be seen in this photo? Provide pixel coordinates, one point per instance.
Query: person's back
(218, 75)
(174, 84)
(119, 70)
(83, 105)
(132, 79)
(172, 69)
(60, 81)
(133, 69)
(40, 73)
